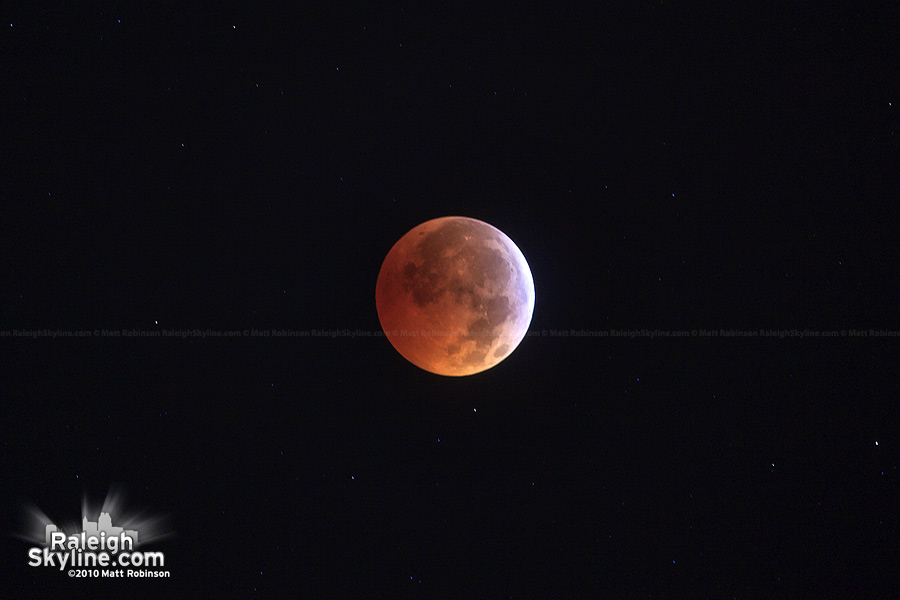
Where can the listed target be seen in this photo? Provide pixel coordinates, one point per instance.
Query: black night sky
(730, 174)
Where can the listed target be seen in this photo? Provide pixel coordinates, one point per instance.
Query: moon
(455, 296)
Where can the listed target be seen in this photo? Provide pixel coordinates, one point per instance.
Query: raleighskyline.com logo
(98, 545)
(100, 549)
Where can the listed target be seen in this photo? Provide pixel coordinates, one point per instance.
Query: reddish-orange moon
(455, 296)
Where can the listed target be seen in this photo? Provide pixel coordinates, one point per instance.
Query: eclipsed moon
(455, 296)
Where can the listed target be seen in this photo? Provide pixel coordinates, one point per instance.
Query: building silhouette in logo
(94, 529)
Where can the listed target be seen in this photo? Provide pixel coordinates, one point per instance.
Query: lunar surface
(455, 296)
